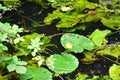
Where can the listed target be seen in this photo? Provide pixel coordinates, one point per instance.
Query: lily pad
(62, 64)
(76, 43)
(36, 74)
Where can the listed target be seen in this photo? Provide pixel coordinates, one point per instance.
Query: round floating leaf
(36, 74)
(61, 64)
(76, 43)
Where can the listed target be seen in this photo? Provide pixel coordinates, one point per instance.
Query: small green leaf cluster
(15, 65)
(7, 31)
(9, 34)
(35, 45)
(39, 60)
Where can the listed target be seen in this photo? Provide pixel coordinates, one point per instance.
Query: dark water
(36, 13)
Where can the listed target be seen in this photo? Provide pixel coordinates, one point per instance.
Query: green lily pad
(62, 64)
(76, 43)
(36, 74)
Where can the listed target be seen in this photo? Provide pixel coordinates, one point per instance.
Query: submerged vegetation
(26, 54)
